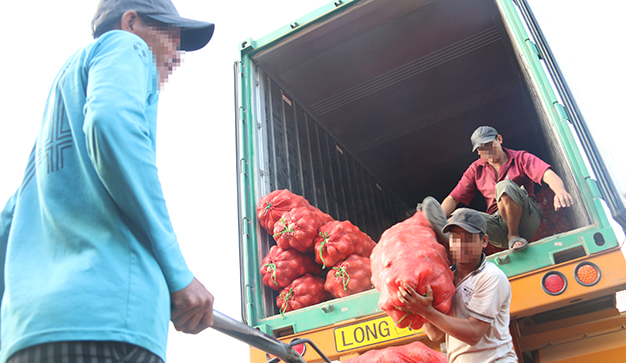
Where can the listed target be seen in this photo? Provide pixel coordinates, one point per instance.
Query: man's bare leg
(512, 214)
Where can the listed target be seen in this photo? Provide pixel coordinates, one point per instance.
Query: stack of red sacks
(409, 252)
(301, 232)
(416, 352)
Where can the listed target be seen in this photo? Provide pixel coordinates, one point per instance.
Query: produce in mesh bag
(280, 267)
(350, 276)
(302, 292)
(560, 224)
(544, 230)
(337, 240)
(416, 352)
(552, 222)
(324, 217)
(272, 206)
(408, 252)
(297, 229)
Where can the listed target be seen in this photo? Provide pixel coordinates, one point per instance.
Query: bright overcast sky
(196, 138)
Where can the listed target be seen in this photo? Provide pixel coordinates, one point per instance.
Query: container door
(610, 193)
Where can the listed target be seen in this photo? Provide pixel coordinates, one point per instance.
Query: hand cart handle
(255, 338)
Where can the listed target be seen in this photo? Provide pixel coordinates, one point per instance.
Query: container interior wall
(309, 161)
(300, 155)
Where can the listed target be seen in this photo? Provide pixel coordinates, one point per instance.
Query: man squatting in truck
(506, 179)
(93, 270)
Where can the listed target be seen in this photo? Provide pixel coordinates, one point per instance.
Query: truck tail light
(300, 348)
(587, 273)
(554, 283)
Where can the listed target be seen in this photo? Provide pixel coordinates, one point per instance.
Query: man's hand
(562, 199)
(192, 308)
(414, 302)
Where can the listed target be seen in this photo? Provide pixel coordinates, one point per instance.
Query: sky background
(196, 135)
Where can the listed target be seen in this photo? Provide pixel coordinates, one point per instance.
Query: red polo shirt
(523, 168)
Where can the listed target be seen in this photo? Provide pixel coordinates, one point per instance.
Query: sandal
(515, 239)
(436, 217)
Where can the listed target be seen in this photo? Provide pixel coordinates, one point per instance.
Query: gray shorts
(497, 229)
(84, 351)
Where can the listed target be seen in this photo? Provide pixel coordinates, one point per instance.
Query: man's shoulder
(493, 271)
(119, 40)
(476, 164)
(120, 36)
(492, 267)
(517, 154)
(119, 45)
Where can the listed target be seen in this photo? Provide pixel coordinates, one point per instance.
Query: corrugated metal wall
(306, 159)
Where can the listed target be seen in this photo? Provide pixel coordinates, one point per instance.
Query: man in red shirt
(506, 179)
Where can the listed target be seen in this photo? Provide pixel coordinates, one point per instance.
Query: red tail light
(554, 283)
(300, 348)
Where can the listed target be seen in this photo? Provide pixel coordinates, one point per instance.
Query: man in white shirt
(477, 329)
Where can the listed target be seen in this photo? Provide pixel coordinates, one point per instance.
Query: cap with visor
(194, 34)
(468, 219)
(483, 135)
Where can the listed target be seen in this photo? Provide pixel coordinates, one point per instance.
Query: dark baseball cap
(483, 135)
(468, 219)
(194, 34)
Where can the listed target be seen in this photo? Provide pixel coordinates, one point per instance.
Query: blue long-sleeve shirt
(90, 250)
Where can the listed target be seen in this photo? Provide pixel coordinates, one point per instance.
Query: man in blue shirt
(92, 267)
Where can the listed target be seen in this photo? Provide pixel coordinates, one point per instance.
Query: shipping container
(366, 107)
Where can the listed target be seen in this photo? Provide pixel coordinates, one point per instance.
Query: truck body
(366, 107)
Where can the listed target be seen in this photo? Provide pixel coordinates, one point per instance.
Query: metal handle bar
(297, 341)
(255, 338)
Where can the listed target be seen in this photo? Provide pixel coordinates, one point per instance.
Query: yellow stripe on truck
(368, 333)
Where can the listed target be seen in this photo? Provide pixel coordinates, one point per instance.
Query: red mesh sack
(302, 292)
(416, 352)
(280, 267)
(560, 224)
(544, 230)
(337, 240)
(324, 217)
(545, 197)
(350, 276)
(272, 206)
(297, 229)
(408, 252)
(552, 222)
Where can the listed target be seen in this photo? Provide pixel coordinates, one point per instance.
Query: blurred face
(491, 151)
(164, 42)
(466, 247)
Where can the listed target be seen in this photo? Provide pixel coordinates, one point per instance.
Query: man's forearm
(562, 199)
(554, 181)
(434, 334)
(469, 330)
(449, 204)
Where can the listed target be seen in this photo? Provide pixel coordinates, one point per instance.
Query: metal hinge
(534, 49)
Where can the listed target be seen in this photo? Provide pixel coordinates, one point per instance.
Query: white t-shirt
(484, 294)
